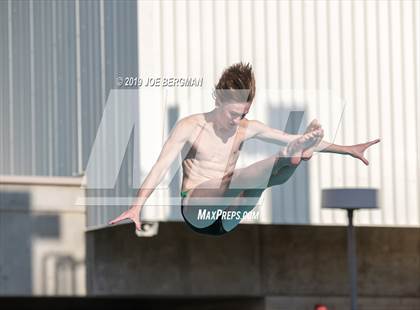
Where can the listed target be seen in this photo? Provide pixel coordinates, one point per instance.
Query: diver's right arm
(172, 147)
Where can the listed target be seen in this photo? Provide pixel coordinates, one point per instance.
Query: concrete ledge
(257, 260)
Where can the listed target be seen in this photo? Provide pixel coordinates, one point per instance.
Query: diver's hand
(132, 214)
(357, 151)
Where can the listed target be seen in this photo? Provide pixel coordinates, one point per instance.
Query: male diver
(210, 145)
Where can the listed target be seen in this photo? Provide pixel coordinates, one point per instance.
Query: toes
(315, 122)
(316, 134)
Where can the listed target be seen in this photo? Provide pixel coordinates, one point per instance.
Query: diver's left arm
(356, 150)
(259, 130)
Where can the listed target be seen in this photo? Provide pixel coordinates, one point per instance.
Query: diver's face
(232, 113)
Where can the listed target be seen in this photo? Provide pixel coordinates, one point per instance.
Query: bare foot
(314, 125)
(294, 149)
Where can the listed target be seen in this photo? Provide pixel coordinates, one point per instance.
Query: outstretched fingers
(369, 144)
(360, 149)
(127, 215)
(373, 142)
(364, 160)
(137, 224)
(123, 216)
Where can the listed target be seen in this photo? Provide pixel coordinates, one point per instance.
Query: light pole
(350, 199)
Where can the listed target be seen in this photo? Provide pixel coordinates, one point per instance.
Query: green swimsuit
(214, 229)
(184, 194)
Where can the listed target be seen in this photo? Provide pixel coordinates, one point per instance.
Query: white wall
(365, 53)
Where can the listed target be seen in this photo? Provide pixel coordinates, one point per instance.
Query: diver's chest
(213, 148)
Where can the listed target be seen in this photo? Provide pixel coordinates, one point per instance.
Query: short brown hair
(237, 76)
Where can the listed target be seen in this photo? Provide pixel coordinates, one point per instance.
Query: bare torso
(210, 153)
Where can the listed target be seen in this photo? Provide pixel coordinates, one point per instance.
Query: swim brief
(215, 229)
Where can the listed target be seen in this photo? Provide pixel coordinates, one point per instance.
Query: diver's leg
(221, 193)
(259, 174)
(248, 198)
